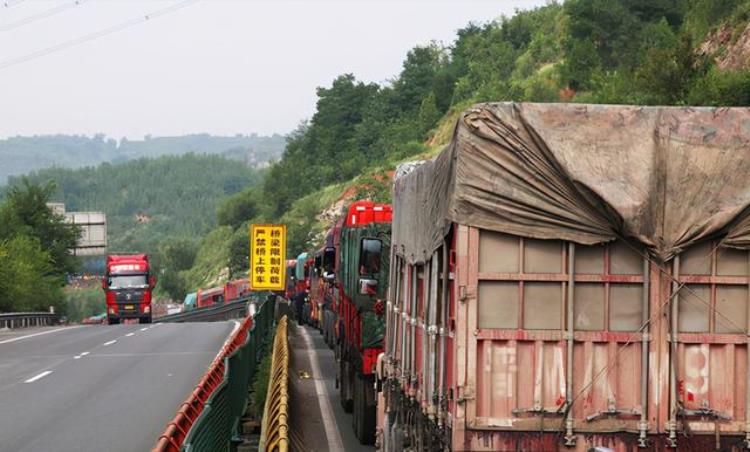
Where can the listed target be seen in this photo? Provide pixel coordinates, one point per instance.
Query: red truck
(127, 286)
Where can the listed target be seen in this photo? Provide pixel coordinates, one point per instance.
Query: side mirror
(105, 286)
(368, 286)
(152, 281)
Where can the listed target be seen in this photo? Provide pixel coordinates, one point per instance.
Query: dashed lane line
(38, 377)
(109, 343)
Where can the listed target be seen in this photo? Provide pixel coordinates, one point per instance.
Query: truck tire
(364, 413)
(113, 321)
(146, 319)
(344, 385)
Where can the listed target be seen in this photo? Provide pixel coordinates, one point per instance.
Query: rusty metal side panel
(460, 339)
(712, 376)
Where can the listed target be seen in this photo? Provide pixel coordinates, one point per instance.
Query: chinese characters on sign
(267, 255)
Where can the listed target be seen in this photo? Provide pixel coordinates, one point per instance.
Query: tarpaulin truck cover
(666, 177)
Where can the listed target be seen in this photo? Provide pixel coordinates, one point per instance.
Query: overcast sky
(217, 66)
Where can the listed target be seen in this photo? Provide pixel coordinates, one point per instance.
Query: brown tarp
(666, 177)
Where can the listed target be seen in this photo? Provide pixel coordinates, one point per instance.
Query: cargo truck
(572, 277)
(362, 276)
(128, 285)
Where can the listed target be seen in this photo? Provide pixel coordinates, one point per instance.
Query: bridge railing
(274, 434)
(209, 418)
(234, 310)
(28, 319)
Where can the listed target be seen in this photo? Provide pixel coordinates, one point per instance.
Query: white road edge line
(38, 377)
(8, 341)
(129, 334)
(109, 343)
(329, 422)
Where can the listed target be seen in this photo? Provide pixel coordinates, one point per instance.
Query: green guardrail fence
(218, 424)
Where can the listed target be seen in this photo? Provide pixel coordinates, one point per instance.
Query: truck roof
(361, 213)
(665, 177)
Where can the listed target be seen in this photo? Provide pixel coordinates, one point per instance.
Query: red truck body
(128, 288)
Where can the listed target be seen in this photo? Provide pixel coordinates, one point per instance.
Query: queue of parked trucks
(560, 277)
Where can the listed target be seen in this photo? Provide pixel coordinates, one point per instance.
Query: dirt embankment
(729, 48)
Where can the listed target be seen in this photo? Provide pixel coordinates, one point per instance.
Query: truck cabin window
(369, 258)
(127, 281)
(329, 259)
(318, 263)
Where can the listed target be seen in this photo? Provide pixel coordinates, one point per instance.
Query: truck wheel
(113, 321)
(344, 382)
(364, 413)
(146, 319)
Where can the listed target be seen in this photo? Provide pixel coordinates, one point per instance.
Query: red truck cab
(127, 286)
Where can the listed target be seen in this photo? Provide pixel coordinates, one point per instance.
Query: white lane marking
(144, 329)
(129, 334)
(38, 377)
(109, 343)
(329, 422)
(8, 341)
(81, 355)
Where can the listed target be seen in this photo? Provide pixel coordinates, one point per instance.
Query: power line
(41, 15)
(96, 35)
(11, 3)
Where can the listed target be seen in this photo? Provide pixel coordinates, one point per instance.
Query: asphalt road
(319, 421)
(99, 388)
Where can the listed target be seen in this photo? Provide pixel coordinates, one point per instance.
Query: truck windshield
(369, 259)
(126, 282)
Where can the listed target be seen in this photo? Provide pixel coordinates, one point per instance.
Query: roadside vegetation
(34, 245)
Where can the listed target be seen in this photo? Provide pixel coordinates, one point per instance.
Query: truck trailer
(572, 277)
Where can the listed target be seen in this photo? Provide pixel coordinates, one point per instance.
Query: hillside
(22, 155)
(151, 201)
(691, 52)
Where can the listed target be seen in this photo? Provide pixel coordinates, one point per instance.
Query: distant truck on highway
(127, 286)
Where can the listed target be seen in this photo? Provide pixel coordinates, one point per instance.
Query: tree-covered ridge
(21, 155)
(151, 201)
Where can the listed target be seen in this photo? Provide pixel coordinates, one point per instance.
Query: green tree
(29, 280)
(25, 212)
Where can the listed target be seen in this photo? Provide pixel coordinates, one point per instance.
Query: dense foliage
(34, 245)
(21, 155)
(151, 201)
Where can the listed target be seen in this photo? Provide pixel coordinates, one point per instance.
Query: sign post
(267, 256)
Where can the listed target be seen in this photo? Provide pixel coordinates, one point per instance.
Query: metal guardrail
(27, 319)
(274, 434)
(209, 418)
(234, 310)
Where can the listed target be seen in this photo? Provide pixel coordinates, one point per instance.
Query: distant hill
(151, 201)
(22, 155)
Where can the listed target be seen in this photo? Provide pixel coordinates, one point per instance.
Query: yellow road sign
(267, 256)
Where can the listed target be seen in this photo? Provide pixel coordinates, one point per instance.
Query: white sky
(216, 66)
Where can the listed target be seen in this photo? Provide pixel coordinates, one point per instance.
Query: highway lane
(99, 388)
(318, 418)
